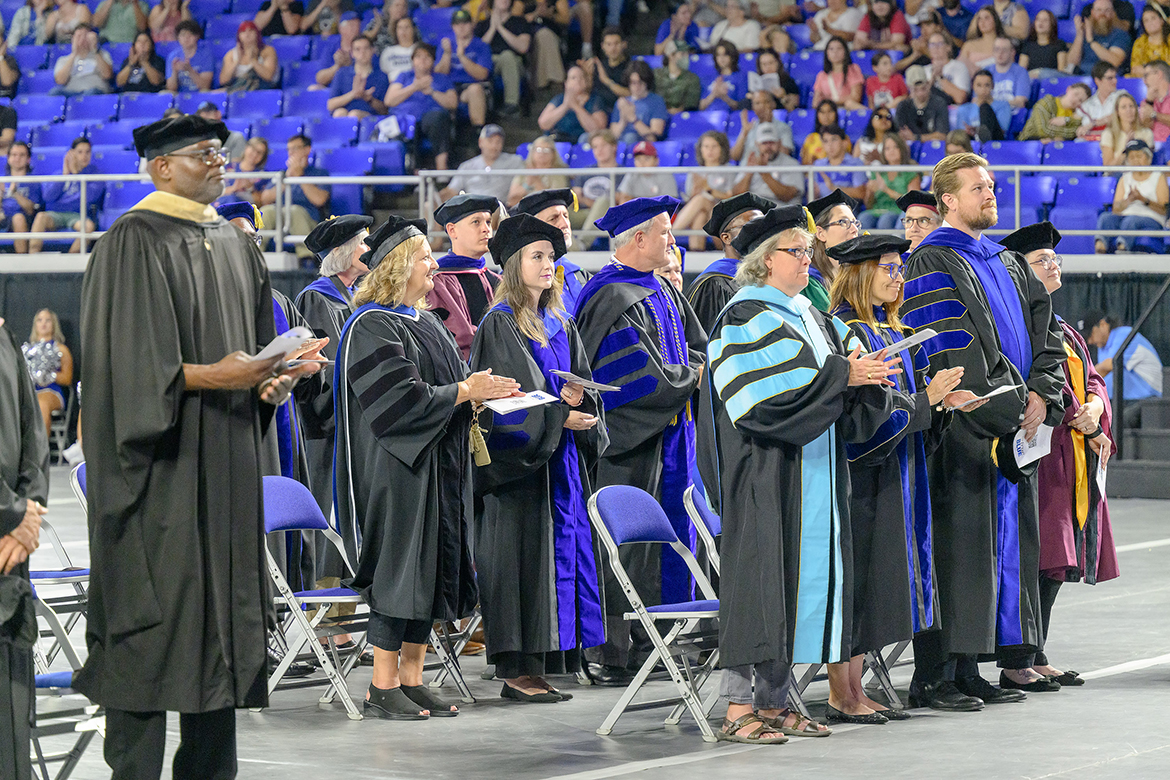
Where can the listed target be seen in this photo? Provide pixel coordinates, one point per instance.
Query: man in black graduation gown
(642, 336)
(554, 207)
(994, 318)
(173, 302)
(24, 489)
(713, 288)
(920, 216)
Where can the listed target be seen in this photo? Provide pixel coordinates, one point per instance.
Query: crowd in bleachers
(390, 89)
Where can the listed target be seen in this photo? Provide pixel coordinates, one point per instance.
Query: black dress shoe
(602, 674)
(1042, 685)
(977, 686)
(834, 715)
(943, 696)
(295, 670)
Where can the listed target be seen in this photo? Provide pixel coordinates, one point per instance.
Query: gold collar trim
(177, 206)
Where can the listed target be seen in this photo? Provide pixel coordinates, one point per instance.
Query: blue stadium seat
(1135, 87)
(669, 153)
(802, 121)
(39, 108)
(434, 23)
(125, 194)
(623, 156)
(1040, 190)
(1012, 152)
(246, 6)
(37, 82)
(298, 75)
(1066, 29)
(855, 122)
(346, 199)
(347, 160)
(689, 125)
(805, 67)
(290, 48)
(99, 108)
(390, 160)
(60, 134)
(1019, 119)
(277, 156)
(930, 152)
(277, 130)
(23, 133)
(240, 125)
(367, 128)
(323, 48)
(332, 131)
(48, 161)
(203, 10)
(114, 160)
(1058, 86)
(187, 102)
(800, 35)
(1074, 218)
(225, 26)
(1084, 192)
(1059, 8)
(864, 60)
(219, 47)
(703, 66)
(118, 53)
(30, 57)
(582, 156)
(1072, 153)
(148, 106)
(119, 133)
(653, 60)
(259, 104)
(306, 104)
(8, 9)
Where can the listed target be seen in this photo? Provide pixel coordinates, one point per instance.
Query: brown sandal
(729, 731)
(798, 729)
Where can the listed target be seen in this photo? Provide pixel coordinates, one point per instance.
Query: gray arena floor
(1116, 634)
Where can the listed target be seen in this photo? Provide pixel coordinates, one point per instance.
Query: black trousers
(388, 633)
(435, 126)
(207, 745)
(989, 125)
(16, 711)
(1048, 590)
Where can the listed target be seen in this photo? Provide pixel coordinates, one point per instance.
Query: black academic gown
(535, 557)
(179, 587)
(24, 475)
(986, 565)
(712, 291)
(403, 467)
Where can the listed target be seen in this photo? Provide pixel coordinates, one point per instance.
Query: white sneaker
(73, 454)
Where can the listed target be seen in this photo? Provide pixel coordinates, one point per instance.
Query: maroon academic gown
(1068, 552)
(463, 292)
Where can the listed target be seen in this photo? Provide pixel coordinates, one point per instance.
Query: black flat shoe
(977, 686)
(1068, 679)
(530, 698)
(892, 714)
(943, 696)
(834, 715)
(1043, 685)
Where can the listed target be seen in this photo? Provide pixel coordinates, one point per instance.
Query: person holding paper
(711, 291)
(464, 287)
(403, 470)
(1076, 538)
(534, 559)
(993, 318)
(640, 334)
(554, 207)
(173, 304)
(788, 386)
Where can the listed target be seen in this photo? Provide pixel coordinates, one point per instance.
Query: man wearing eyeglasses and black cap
(714, 287)
(922, 218)
(174, 303)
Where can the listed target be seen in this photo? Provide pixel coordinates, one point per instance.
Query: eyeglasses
(799, 252)
(922, 222)
(1048, 263)
(209, 156)
(893, 269)
(845, 223)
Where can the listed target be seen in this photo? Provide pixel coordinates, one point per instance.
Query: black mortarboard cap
(917, 198)
(727, 210)
(334, 232)
(169, 135)
(835, 198)
(517, 232)
(1042, 235)
(390, 234)
(772, 222)
(867, 247)
(463, 206)
(539, 201)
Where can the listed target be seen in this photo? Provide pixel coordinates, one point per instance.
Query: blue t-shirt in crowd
(300, 199)
(477, 51)
(1143, 367)
(1115, 39)
(968, 114)
(343, 83)
(1015, 83)
(737, 91)
(11, 205)
(570, 125)
(201, 61)
(650, 107)
(418, 104)
(690, 35)
(66, 195)
(957, 25)
(839, 179)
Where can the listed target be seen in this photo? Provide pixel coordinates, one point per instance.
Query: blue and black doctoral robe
(777, 411)
(994, 318)
(889, 512)
(534, 552)
(642, 336)
(712, 291)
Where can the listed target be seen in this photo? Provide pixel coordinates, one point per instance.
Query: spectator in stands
(30, 23)
(468, 62)
(775, 38)
(840, 79)
(948, 76)
(253, 159)
(704, 190)
(595, 193)
(250, 64)
(22, 200)
(576, 112)
(1095, 111)
(880, 125)
(324, 16)
(679, 27)
(233, 147)
(280, 17)
(776, 12)
(883, 189)
(1044, 54)
(1013, 17)
(886, 88)
(918, 10)
(9, 72)
(342, 56)
(1139, 201)
(609, 71)
(836, 143)
(189, 66)
(63, 198)
(143, 70)
(542, 154)
(979, 50)
(737, 29)
(884, 27)
(956, 19)
(86, 69)
(708, 13)
(358, 90)
(763, 110)
(770, 76)
(827, 116)
(1102, 36)
(424, 94)
(920, 44)
(836, 20)
(1054, 117)
(646, 185)
(1124, 11)
(680, 89)
(1011, 82)
(545, 61)
(1153, 44)
(1155, 109)
(958, 142)
(509, 37)
(1143, 367)
(382, 29)
(729, 89)
(1124, 126)
(395, 57)
(121, 20)
(642, 116)
(164, 20)
(307, 204)
(984, 117)
(7, 127)
(491, 157)
(924, 116)
(784, 188)
(68, 17)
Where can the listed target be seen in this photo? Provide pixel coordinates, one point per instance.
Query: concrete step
(1138, 479)
(1156, 414)
(1147, 444)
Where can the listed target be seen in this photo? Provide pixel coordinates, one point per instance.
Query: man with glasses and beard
(995, 319)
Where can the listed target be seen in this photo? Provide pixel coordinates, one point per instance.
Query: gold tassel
(479, 449)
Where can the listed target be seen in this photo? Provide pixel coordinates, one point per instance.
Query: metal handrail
(1119, 370)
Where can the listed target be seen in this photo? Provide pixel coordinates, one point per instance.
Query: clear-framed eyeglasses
(845, 223)
(1048, 263)
(922, 222)
(209, 156)
(893, 269)
(799, 252)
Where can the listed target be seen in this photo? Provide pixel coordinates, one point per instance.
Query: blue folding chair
(62, 712)
(707, 524)
(147, 106)
(627, 515)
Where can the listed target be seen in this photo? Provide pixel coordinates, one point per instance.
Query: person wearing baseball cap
(785, 189)
(646, 185)
(470, 177)
(924, 116)
(680, 89)
(1142, 198)
(233, 147)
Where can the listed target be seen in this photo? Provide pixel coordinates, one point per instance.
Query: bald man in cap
(641, 335)
(174, 303)
(714, 287)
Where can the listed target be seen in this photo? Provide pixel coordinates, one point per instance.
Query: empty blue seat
(120, 133)
(97, 108)
(1059, 8)
(581, 156)
(333, 131)
(1066, 29)
(187, 102)
(323, 48)
(60, 134)
(390, 160)
(805, 67)
(668, 153)
(125, 194)
(144, 105)
(202, 10)
(290, 48)
(278, 130)
(1072, 153)
(118, 53)
(855, 123)
(37, 82)
(48, 161)
(246, 6)
(802, 121)
(225, 26)
(1012, 152)
(298, 75)
(346, 160)
(930, 152)
(864, 60)
(1084, 192)
(1039, 190)
(260, 104)
(219, 48)
(39, 108)
(115, 160)
(1135, 87)
(703, 66)
(653, 60)
(307, 104)
(800, 35)
(689, 125)
(240, 126)
(346, 199)
(434, 23)
(30, 57)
